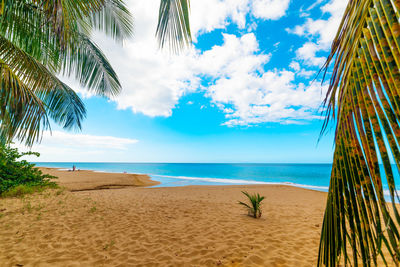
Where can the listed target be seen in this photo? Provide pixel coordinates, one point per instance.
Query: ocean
(313, 176)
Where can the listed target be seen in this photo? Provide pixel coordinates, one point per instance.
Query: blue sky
(242, 93)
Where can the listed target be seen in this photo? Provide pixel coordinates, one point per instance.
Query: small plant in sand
(253, 208)
(93, 209)
(109, 245)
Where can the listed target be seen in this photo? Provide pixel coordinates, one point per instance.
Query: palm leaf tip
(173, 28)
(114, 19)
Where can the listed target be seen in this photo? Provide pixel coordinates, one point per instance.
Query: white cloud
(320, 31)
(85, 140)
(313, 5)
(236, 55)
(307, 53)
(207, 15)
(250, 95)
(64, 146)
(271, 97)
(306, 73)
(295, 65)
(269, 9)
(153, 81)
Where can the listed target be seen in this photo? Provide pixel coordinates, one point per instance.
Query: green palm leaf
(40, 39)
(22, 113)
(41, 88)
(173, 24)
(114, 19)
(85, 61)
(363, 98)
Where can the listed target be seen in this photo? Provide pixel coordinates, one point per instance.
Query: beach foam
(226, 181)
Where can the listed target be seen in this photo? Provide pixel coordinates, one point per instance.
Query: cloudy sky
(243, 93)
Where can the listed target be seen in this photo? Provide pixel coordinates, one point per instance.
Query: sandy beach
(83, 180)
(133, 225)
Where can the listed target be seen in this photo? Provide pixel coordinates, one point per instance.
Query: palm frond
(79, 57)
(22, 113)
(32, 73)
(87, 63)
(28, 28)
(63, 15)
(173, 28)
(363, 98)
(39, 39)
(58, 100)
(64, 106)
(114, 19)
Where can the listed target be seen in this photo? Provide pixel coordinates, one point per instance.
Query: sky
(246, 90)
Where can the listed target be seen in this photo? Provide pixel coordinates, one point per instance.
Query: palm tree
(359, 225)
(40, 39)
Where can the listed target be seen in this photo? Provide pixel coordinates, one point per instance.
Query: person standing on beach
(73, 168)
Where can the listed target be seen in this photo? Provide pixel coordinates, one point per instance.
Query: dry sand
(137, 226)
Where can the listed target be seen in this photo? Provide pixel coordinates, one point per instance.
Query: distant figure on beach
(73, 168)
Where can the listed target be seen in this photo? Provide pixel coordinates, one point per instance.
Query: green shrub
(18, 177)
(254, 208)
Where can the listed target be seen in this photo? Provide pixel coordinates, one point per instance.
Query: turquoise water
(313, 176)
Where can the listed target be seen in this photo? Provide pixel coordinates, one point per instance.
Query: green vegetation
(254, 208)
(19, 177)
(40, 40)
(363, 101)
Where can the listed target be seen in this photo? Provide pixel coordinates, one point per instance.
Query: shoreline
(148, 183)
(210, 181)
